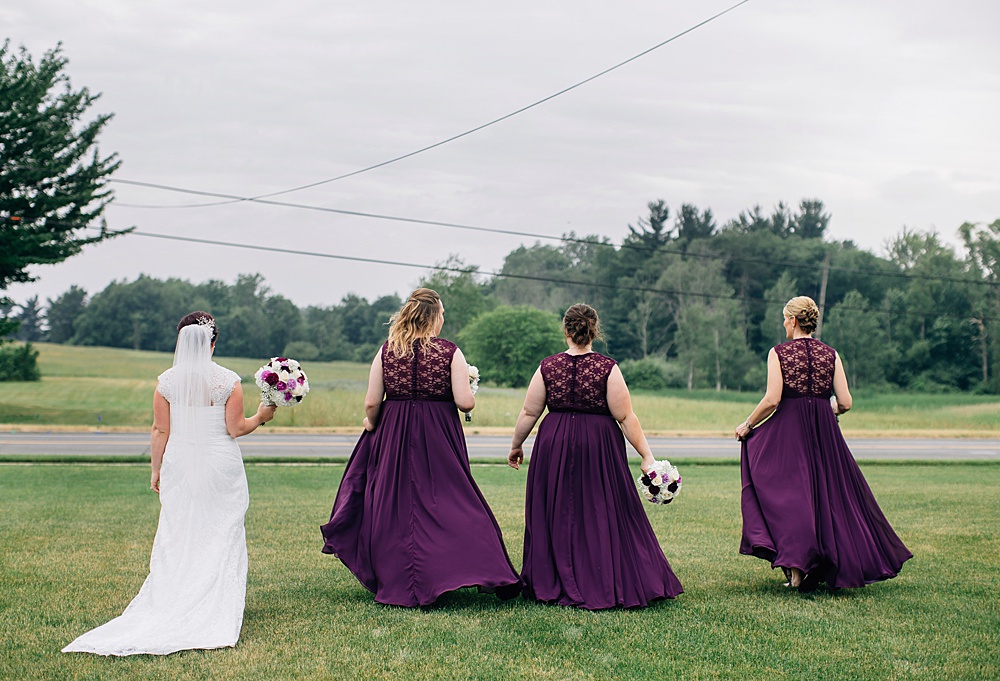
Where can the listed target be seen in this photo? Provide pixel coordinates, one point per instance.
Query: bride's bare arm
(236, 423)
(158, 436)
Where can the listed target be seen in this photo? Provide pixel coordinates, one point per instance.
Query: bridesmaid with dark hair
(587, 540)
(806, 506)
(409, 520)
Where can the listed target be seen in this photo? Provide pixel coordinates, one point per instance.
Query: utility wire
(478, 127)
(505, 275)
(563, 239)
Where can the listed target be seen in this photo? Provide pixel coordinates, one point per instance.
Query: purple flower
(288, 397)
(270, 378)
(281, 360)
(284, 367)
(302, 379)
(280, 385)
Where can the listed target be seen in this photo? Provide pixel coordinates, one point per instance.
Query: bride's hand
(154, 481)
(266, 412)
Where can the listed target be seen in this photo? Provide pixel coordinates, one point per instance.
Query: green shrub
(649, 373)
(303, 351)
(19, 362)
(508, 343)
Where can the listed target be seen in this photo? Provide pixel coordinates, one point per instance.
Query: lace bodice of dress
(424, 375)
(807, 367)
(577, 382)
(221, 383)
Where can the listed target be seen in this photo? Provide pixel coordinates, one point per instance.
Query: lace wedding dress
(194, 594)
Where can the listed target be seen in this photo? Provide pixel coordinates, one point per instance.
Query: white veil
(192, 375)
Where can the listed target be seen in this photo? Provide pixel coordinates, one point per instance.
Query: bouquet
(661, 484)
(282, 382)
(474, 384)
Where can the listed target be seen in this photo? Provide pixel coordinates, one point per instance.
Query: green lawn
(75, 541)
(107, 387)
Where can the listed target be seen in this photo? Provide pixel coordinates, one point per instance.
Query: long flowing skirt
(806, 504)
(409, 520)
(196, 589)
(587, 540)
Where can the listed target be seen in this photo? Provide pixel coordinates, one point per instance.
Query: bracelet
(747, 423)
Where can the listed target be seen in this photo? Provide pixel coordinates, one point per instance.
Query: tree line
(683, 301)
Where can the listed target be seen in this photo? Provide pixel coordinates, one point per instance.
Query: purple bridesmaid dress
(587, 540)
(409, 520)
(805, 503)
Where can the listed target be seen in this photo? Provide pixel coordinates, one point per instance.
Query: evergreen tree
(53, 179)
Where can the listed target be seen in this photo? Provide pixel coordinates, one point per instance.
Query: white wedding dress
(196, 588)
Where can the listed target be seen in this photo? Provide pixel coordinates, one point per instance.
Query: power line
(504, 275)
(478, 127)
(563, 239)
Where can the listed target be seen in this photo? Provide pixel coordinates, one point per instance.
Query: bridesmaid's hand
(154, 481)
(515, 458)
(647, 463)
(368, 424)
(743, 431)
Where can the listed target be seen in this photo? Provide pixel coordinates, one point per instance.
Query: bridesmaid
(587, 540)
(409, 520)
(806, 506)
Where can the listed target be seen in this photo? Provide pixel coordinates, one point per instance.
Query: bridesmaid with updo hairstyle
(587, 540)
(806, 506)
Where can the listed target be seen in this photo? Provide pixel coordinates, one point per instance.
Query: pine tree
(53, 179)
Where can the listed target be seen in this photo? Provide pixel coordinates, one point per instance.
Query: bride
(196, 588)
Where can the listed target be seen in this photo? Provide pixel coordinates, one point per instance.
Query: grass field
(75, 541)
(106, 387)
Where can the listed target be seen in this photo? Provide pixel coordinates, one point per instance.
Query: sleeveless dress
(408, 519)
(805, 503)
(587, 540)
(196, 588)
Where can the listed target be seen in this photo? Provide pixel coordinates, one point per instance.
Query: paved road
(480, 446)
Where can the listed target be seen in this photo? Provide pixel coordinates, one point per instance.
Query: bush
(649, 373)
(301, 351)
(508, 343)
(19, 362)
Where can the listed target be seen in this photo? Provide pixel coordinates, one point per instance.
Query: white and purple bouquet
(282, 382)
(661, 484)
(474, 384)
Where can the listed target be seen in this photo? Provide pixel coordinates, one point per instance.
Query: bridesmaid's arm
(158, 436)
(376, 391)
(840, 388)
(620, 404)
(534, 404)
(236, 423)
(770, 401)
(460, 388)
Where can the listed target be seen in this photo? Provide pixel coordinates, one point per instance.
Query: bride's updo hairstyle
(414, 322)
(804, 309)
(581, 324)
(199, 317)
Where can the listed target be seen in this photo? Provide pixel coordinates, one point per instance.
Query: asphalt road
(480, 446)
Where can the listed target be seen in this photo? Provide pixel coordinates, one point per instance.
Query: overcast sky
(886, 111)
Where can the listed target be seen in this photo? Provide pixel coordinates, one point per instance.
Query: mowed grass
(108, 387)
(75, 543)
